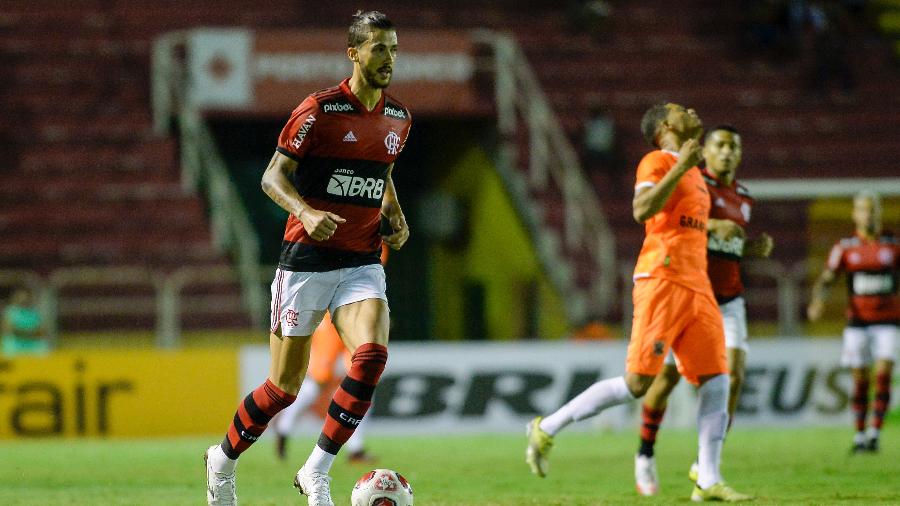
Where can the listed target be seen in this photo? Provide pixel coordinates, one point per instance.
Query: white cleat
(220, 489)
(645, 478)
(315, 485)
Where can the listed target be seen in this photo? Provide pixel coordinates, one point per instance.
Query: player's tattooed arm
(390, 208)
(819, 294)
(649, 201)
(276, 183)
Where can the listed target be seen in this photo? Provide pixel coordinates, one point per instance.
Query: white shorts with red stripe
(300, 299)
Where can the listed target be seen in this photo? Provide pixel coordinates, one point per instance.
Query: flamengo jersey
(728, 203)
(675, 244)
(871, 266)
(344, 152)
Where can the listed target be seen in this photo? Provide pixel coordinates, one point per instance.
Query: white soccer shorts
(863, 344)
(734, 320)
(300, 299)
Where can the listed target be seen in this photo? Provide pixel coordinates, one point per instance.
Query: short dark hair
(656, 114)
(725, 128)
(365, 22)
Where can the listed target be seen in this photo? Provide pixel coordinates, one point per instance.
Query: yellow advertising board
(118, 393)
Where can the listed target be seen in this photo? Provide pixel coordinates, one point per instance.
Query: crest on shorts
(290, 318)
(658, 348)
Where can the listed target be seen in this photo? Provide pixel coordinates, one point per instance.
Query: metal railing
(203, 168)
(788, 292)
(518, 94)
(165, 300)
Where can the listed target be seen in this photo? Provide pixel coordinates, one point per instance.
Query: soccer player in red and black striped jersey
(332, 172)
(727, 245)
(871, 260)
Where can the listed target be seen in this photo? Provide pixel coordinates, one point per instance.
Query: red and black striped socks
(650, 421)
(861, 403)
(352, 399)
(882, 398)
(252, 417)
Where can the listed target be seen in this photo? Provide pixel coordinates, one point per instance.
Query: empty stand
(83, 180)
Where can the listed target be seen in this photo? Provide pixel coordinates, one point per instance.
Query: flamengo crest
(392, 143)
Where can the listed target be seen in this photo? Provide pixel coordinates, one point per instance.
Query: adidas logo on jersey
(350, 137)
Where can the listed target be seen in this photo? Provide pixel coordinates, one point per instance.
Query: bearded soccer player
(674, 307)
(727, 245)
(870, 259)
(332, 173)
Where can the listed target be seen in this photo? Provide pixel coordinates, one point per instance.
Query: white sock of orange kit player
(599, 396)
(712, 422)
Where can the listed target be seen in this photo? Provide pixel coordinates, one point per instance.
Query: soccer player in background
(871, 259)
(332, 173)
(325, 350)
(674, 305)
(726, 245)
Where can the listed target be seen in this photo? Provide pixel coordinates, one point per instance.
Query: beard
(373, 80)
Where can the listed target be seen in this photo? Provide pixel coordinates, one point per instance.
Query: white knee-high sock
(308, 394)
(712, 422)
(599, 396)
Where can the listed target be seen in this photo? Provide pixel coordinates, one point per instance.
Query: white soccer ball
(382, 487)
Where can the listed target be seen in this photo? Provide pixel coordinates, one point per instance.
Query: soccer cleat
(281, 446)
(539, 445)
(361, 457)
(718, 492)
(315, 486)
(645, 477)
(220, 489)
(694, 472)
(872, 445)
(859, 448)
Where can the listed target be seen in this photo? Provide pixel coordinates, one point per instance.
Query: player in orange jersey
(871, 260)
(731, 206)
(674, 307)
(325, 350)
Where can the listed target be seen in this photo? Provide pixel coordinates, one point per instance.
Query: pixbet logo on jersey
(345, 184)
(338, 107)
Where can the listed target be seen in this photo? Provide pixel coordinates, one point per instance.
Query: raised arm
(651, 199)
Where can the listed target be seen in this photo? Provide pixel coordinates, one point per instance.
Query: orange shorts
(326, 349)
(669, 315)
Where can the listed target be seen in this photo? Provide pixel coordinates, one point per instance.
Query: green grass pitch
(796, 466)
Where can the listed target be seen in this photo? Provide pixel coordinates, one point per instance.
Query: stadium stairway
(647, 52)
(77, 115)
